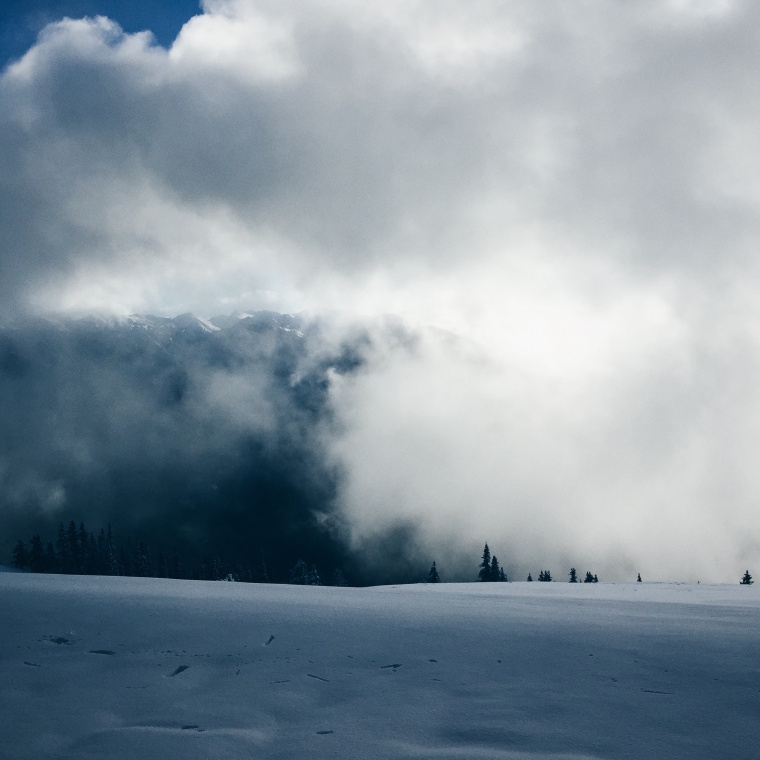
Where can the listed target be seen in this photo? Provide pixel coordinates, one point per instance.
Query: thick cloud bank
(572, 191)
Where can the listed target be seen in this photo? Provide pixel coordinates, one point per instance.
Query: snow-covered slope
(142, 668)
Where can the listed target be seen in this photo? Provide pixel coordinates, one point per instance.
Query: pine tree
(502, 576)
(485, 565)
(746, 579)
(573, 575)
(36, 555)
(163, 568)
(596, 580)
(72, 541)
(19, 557)
(299, 575)
(113, 566)
(545, 576)
(264, 572)
(530, 577)
(51, 561)
(175, 569)
(589, 578)
(63, 551)
(91, 565)
(338, 578)
(141, 565)
(314, 579)
(433, 576)
(638, 577)
(494, 574)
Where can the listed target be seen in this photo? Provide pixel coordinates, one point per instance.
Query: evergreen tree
(638, 577)
(433, 576)
(101, 552)
(314, 579)
(163, 568)
(141, 562)
(485, 565)
(51, 561)
(596, 580)
(113, 566)
(263, 571)
(175, 568)
(72, 542)
(65, 561)
(502, 575)
(746, 579)
(589, 578)
(573, 575)
(338, 578)
(545, 576)
(494, 574)
(299, 575)
(20, 557)
(530, 577)
(125, 559)
(91, 563)
(83, 542)
(36, 555)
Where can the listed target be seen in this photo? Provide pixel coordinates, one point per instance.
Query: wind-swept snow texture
(141, 668)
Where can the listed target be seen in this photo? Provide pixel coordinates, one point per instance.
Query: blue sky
(21, 20)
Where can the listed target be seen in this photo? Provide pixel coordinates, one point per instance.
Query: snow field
(147, 668)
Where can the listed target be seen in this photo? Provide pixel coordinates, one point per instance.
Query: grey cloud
(618, 131)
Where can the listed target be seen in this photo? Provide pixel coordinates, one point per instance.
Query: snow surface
(145, 668)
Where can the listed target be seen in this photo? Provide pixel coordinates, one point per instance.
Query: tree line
(491, 570)
(77, 551)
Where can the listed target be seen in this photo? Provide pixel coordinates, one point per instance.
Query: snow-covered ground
(143, 668)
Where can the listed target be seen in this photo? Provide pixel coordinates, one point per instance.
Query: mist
(559, 207)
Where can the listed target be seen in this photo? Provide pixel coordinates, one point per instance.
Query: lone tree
(573, 575)
(638, 577)
(433, 576)
(485, 565)
(530, 577)
(747, 579)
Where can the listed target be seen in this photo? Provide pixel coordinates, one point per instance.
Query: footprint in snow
(176, 672)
